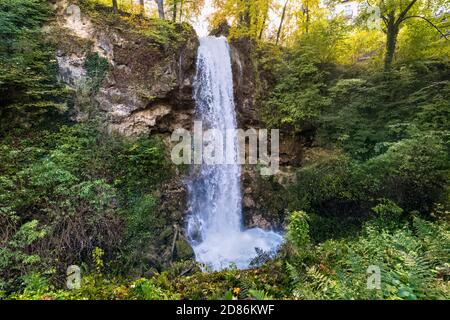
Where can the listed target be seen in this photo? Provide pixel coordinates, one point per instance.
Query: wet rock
(249, 202)
(263, 200)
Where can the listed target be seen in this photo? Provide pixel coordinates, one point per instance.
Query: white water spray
(215, 221)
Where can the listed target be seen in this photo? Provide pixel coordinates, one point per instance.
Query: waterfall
(215, 225)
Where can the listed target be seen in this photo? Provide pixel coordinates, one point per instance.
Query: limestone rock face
(148, 86)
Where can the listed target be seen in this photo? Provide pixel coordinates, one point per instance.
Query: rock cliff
(147, 86)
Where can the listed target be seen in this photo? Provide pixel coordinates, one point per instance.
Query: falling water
(215, 222)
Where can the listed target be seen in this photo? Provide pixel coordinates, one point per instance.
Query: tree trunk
(307, 17)
(115, 6)
(181, 10)
(392, 30)
(283, 15)
(160, 4)
(263, 24)
(174, 17)
(141, 7)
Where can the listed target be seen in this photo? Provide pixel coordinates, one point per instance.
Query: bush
(367, 112)
(83, 190)
(298, 230)
(298, 96)
(15, 257)
(412, 172)
(328, 185)
(411, 260)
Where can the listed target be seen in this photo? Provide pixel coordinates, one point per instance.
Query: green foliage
(298, 97)
(410, 259)
(259, 295)
(147, 164)
(144, 289)
(367, 112)
(96, 69)
(97, 256)
(300, 93)
(376, 196)
(68, 189)
(160, 32)
(322, 44)
(412, 172)
(388, 140)
(268, 281)
(329, 182)
(249, 17)
(388, 213)
(419, 40)
(14, 256)
(165, 31)
(298, 230)
(339, 192)
(86, 191)
(27, 64)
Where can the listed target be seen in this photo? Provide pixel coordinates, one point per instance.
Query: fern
(259, 295)
(413, 261)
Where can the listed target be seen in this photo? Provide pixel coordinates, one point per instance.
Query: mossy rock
(183, 250)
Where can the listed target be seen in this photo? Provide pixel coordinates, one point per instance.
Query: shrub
(411, 259)
(86, 189)
(298, 230)
(412, 172)
(298, 96)
(15, 256)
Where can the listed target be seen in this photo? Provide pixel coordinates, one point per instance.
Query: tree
(283, 15)
(115, 6)
(141, 7)
(249, 16)
(394, 13)
(392, 22)
(306, 13)
(263, 26)
(189, 9)
(160, 4)
(182, 10)
(174, 10)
